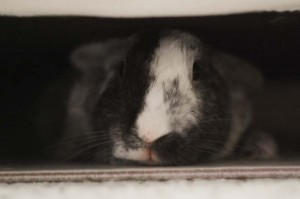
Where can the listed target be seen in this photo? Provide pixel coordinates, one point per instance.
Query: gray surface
(153, 173)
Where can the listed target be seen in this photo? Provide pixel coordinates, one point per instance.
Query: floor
(214, 189)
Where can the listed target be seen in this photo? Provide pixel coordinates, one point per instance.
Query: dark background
(34, 51)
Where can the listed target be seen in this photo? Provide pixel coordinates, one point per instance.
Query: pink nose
(150, 136)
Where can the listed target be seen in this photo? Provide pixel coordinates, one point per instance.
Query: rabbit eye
(121, 69)
(196, 71)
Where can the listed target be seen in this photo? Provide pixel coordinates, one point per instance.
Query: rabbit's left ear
(100, 57)
(239, 74)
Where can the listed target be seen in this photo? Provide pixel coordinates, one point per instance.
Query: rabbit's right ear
(100, 57)
(239, 74)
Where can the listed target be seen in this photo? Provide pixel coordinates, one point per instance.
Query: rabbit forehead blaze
(170, 103)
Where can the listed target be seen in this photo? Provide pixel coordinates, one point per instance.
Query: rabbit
(157, 98)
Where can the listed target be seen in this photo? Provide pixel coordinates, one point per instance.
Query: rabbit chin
(141, 155)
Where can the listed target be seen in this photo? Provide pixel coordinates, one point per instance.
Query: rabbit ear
(100, 57)
(239, 74)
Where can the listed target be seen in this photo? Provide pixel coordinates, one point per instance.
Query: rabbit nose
(149, 138)
(146, 139)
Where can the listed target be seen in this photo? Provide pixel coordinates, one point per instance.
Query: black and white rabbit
(157, 98)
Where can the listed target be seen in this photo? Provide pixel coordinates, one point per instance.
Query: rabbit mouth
(143, 155)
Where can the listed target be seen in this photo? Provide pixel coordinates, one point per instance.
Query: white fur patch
(172, 61)
(139, 154)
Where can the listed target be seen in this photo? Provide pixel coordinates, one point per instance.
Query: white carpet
(215, 189)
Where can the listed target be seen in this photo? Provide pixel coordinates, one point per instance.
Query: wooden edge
(149, 174)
